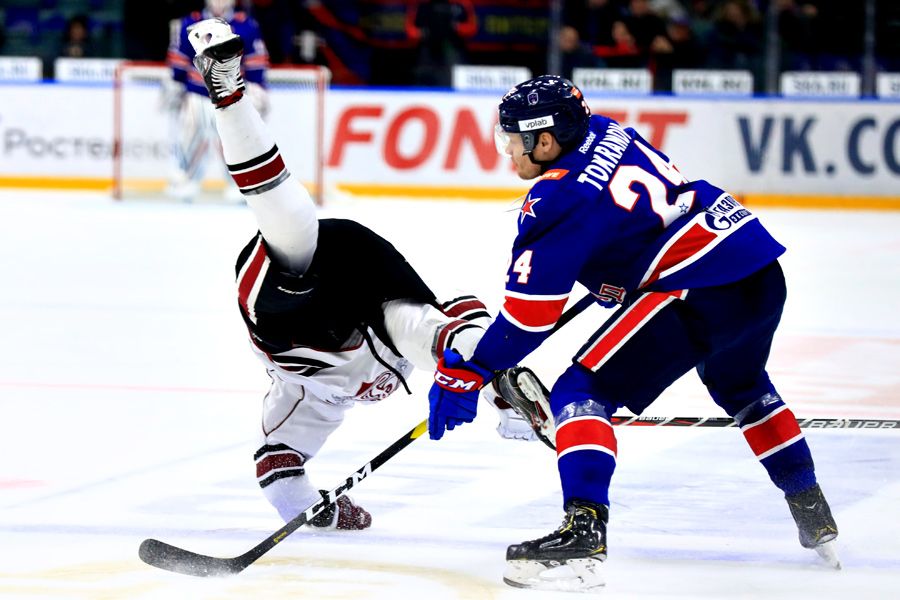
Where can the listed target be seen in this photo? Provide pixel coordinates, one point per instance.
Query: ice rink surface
(129, 409)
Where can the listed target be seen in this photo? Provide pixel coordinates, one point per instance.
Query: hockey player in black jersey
(336, 314)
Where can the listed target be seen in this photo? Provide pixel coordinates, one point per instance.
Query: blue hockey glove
(453, 397)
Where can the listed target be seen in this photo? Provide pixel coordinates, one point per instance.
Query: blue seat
(107, 5)
(51, 22)
(35, 4)
(22, 21)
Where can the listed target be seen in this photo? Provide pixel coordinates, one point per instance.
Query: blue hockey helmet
(546, 103)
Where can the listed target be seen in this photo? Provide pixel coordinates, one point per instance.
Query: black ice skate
(815, 524)
(568, 559)
(218, 59)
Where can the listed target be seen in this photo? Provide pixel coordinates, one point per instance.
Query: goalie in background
(334, 312)
(193, 128)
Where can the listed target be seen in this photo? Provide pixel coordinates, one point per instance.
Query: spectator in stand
(594, 20)
(887, 35)
(600, 26)
(736, 39)
(440, 29)
(77, 42)
(145, 26)
(795, 26)
(331, 34)
(623, 53)
(648, 30)
(837, 32)
(575, 54)
(669, 10)
(686, 53)
(700, 12)
(276, 19)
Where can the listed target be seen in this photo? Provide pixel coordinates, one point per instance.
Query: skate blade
(574, 575)
(828, 553)
(531, 388)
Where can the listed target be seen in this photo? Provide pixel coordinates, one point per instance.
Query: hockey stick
(171, 558)
(820, 423)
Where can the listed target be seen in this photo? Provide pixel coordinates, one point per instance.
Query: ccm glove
(453, 398)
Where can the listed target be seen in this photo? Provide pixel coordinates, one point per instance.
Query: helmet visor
(505, 141)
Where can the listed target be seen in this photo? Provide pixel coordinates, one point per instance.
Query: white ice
(129, 407)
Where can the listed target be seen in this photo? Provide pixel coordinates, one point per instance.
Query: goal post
(147, 123)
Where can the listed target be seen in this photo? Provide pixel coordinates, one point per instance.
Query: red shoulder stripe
(533, 313)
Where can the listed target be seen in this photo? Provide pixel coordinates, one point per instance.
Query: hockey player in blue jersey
(192, 121)
(695, 282)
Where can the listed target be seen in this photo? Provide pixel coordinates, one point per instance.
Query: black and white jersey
(325, 329)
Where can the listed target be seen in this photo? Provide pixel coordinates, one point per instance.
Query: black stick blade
(171, 558)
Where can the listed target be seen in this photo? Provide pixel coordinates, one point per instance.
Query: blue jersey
(181, 53)
(615, 215)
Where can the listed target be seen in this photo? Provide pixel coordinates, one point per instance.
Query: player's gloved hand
(453, 398)
(512, 425)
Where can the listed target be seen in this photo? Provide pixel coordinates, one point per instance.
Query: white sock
(283, 208)
(243, 133)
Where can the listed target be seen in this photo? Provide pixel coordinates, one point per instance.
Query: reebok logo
(536, 123)
(587, 143)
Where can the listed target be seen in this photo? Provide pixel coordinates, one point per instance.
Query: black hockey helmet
(546, 103)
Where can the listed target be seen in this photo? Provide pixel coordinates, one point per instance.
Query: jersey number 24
(621, 188)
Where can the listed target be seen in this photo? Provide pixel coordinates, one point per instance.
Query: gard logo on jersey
(536, 123)
(725, 212)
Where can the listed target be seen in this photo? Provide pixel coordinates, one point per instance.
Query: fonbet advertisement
(442, 143)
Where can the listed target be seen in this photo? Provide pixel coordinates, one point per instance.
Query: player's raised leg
(284, 211)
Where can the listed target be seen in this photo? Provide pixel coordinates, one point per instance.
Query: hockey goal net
(149, 117)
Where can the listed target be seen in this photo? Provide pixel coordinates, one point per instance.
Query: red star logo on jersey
(528, 208)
